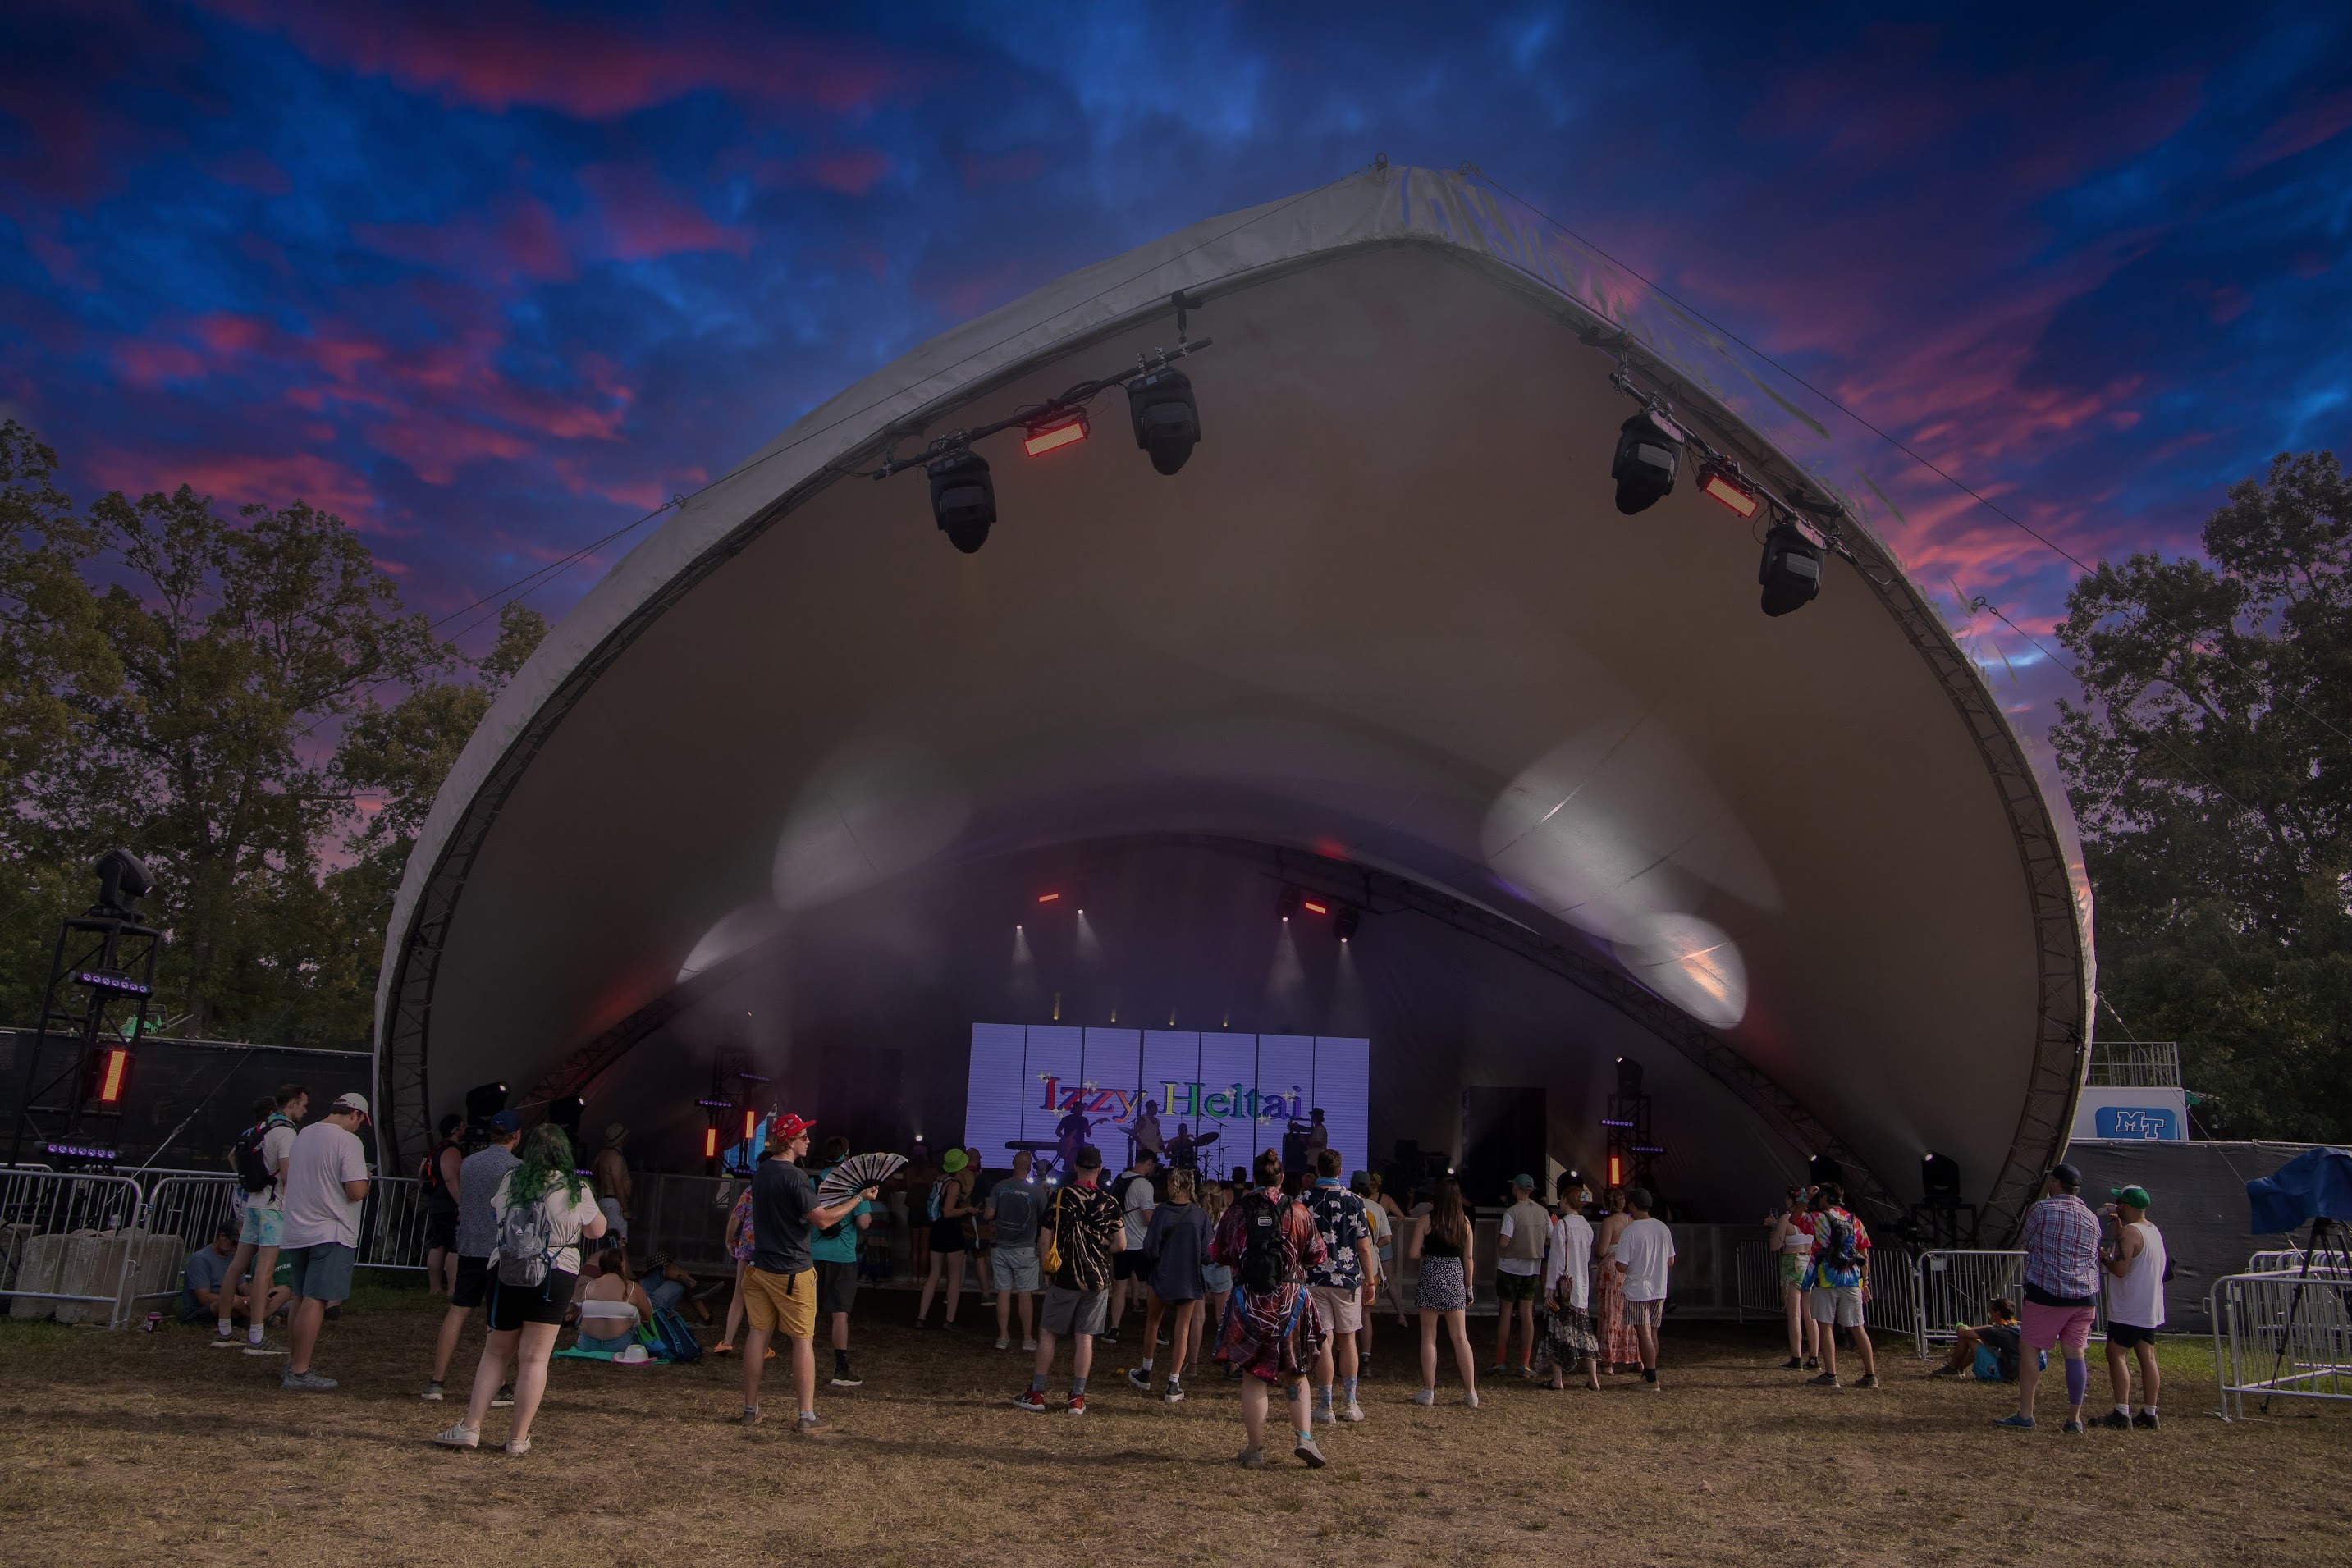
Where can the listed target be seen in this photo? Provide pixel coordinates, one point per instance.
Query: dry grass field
(130, 1447)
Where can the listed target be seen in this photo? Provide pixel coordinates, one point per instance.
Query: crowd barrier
(72, 1247)
(2283, 1335)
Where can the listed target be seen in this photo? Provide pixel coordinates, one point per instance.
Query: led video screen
(1245, 1088)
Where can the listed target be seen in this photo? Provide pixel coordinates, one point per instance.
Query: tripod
(2328, 1236)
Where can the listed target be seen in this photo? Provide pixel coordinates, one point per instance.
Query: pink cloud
(518, 239)
(643, 217)
(851, 172)
(497, 57)
(236, 479)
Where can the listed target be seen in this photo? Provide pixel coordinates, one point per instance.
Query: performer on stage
(1143, 1133)
(1071, 1130)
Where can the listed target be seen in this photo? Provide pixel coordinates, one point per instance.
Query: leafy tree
(2210, 765)
(244, 703)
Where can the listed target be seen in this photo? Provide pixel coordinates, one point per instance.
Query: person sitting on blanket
(610, 1283)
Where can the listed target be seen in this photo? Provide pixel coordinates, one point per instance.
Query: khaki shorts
(782, 1303)
(1340, 1311)
(1646, 1315)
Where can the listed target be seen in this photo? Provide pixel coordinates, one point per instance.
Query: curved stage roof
(1385, 635)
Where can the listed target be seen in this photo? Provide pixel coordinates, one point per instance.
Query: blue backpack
(672, 1340)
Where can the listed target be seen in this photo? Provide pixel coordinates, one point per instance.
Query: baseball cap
(2135, 1195)
(2068, 1178)
(353, 1100)
(785, 1127)
(507, 1122)
(1524, 1182)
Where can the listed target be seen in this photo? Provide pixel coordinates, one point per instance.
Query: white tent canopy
(1386, 619)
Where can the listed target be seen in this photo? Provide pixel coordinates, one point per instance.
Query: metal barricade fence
(191, 1208)
(70, 1246)
(393, 1225)
(1951, 1285)
(2281, 1334)
(2291, 1260)
(684, 1219)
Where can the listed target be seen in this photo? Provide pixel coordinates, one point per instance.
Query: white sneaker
(458, 1437)
(1470, 1397)
(1424, 1396)
(1004, 1343)
(1326, 1417)
(1029, 1344)
(1354, 1412)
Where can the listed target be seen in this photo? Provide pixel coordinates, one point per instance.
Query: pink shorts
(2045, 1326)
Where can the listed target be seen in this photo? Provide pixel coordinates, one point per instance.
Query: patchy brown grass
(130, 1448)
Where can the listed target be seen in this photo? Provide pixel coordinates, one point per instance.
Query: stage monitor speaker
(1505, 1133)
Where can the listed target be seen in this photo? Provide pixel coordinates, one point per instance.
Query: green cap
(2135, 1195)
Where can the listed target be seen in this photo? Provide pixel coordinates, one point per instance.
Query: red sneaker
(1032, 1401)
(1077, 1406)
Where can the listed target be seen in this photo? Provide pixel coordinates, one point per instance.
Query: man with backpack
(437, 1179)
(1271, 1333)
(1841, 1268)
(1130, 1274)
(1010, 1216)
(260, 1156)
(1081, 1230)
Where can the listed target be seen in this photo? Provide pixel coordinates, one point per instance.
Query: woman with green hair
(544, 1210)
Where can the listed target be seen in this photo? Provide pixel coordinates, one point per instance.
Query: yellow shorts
(782, 1303)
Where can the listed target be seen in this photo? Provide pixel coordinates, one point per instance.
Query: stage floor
(130, 1448)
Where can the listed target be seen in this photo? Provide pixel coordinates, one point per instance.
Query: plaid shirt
(2062, 1247)
(1339, 1215)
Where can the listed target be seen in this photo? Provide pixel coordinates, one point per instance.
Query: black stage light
(1286, 902)
(1648, 451)
(1346, 923)
(1825, 1169)
(122, 882)
(1629, 1076)
(1791, 571)
(963, 498)
(485, 1101)
(1939, 1178)
(1167, 419)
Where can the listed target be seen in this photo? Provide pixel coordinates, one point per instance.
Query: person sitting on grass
(608, 1330)
(667, 1285)
(206, 1295)
(542, 1192)
(1999, 1336)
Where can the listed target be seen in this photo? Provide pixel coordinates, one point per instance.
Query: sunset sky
(492, 281)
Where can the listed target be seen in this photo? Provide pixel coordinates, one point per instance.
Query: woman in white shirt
(1567, 1335)
(524, 1318)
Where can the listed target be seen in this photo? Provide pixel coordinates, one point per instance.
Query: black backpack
(1265, 1260)
(253, 1172)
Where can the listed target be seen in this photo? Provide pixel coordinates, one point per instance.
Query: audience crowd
(1275, 1277)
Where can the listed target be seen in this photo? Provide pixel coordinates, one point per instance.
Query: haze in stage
(1246, 1089)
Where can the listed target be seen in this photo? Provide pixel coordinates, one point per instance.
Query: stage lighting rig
(1801, 534)
(1347, 922)
(1649, 453)
(1286, 902)
(1162, 407)
(1792, 570)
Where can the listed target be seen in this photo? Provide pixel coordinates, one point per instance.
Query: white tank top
(2137, 1296)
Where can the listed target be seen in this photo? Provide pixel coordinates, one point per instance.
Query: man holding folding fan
(780, 1286)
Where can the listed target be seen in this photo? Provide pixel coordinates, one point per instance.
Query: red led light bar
(1314, 908)
(709, 1142)
(1731, 493)
(1616, 1171)
(109, 1083)
(1047, 897)
(751, 1124)
(1045, 438)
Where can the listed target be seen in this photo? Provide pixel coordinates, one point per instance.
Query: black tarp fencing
(2197, 1193)
(209, 1085)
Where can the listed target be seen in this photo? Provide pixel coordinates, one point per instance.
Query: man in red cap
(780, 1285)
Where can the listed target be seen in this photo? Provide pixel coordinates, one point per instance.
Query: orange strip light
(1315, 908)
(110, 1089)
(751, 1124)
(1041, 442)
(709, 1142)
(1047, 897)
(1616, 1172)
(1723, 488)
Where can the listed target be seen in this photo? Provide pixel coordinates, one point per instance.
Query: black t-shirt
(781, 1197)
